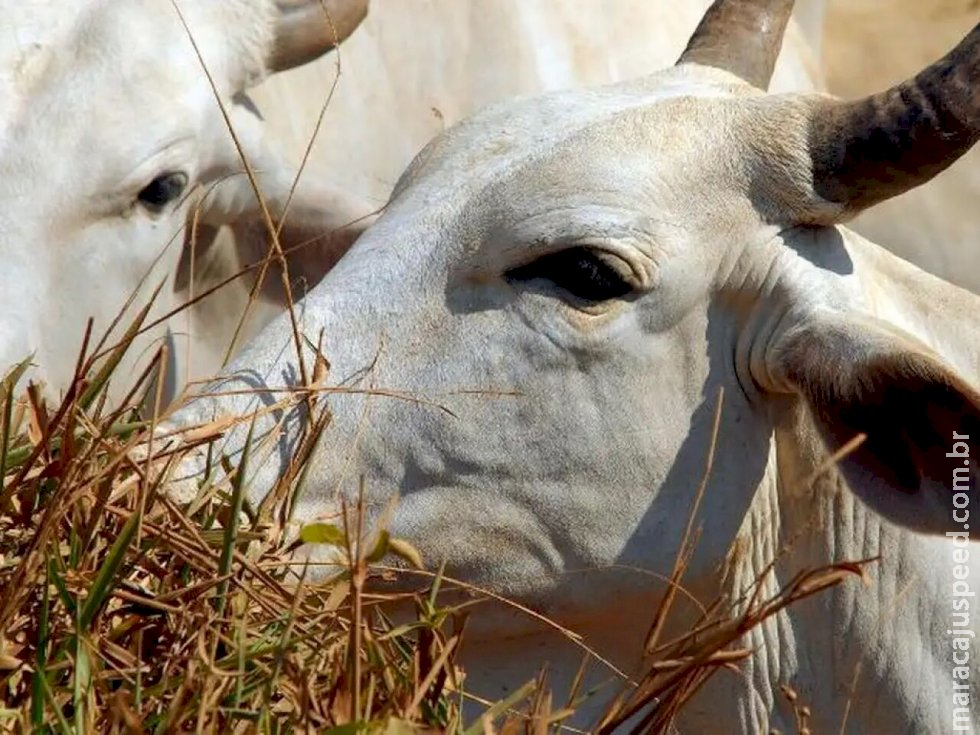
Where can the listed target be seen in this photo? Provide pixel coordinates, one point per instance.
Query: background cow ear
(316, 224)
(860, 376)
(228, 235)
(317, 231)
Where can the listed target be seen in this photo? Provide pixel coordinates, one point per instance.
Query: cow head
(110, 130)
(561, 287)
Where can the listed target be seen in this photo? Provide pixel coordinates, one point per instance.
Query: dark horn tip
(743, 37)
(870, 150)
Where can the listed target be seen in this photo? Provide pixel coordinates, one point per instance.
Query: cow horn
(740, 36)
(307, 29)
(869, 150)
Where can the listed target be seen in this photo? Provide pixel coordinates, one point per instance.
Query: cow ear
(315, 232)
(861, 376)
(316, 225)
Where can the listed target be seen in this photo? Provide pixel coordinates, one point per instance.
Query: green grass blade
(14, 458)
(103, 585)
(499, 708)
(101, 378)
(7, 388)
(59, 716)
(56, 571)
(231, 530)
(82, 681)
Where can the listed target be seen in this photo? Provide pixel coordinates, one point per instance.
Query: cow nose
(318, 475)
(265, 386)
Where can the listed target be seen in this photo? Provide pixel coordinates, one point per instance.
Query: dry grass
(122, 612)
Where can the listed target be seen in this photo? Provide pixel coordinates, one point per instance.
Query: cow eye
(582, 272)
(163, 190)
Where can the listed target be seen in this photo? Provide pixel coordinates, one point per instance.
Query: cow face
(110, 131)
(530, 345)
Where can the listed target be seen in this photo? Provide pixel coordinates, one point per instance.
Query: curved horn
(740, 36)
(869, 150)
(307, 29)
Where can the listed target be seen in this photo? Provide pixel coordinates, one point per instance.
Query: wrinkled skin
(577, 430)
(109, 133)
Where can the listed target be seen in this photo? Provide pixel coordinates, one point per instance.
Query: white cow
(412, 69)
(575, 277)
(109, 127)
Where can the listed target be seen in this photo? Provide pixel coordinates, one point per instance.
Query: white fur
(565, 468)
(98, 99)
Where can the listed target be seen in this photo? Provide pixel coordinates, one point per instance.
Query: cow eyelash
(582, 272)
(162, 191)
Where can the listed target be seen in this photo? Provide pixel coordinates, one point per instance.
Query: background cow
(109, 129)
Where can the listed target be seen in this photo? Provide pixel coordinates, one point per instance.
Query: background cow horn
(741, 36)
(868, 150)
(307, 29)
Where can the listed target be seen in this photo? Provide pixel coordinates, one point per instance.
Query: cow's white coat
(573, 493)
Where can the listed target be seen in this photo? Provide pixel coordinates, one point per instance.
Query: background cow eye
(162, 190)
(582, 272)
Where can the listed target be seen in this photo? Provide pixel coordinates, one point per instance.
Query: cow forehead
(41, 40)
(490, 142)
(28, 33)
(617, 149)
(116, 82)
